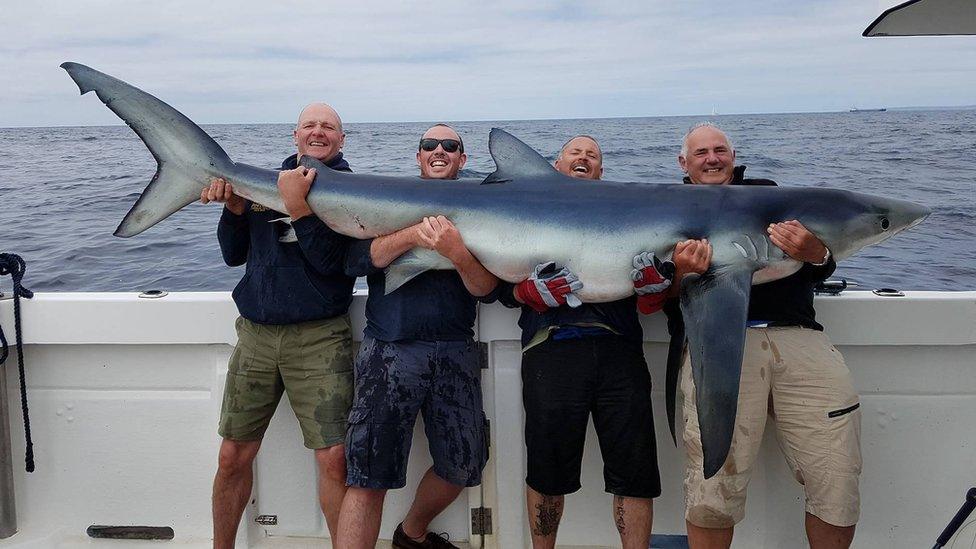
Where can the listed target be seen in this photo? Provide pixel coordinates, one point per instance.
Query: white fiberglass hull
(125, 393)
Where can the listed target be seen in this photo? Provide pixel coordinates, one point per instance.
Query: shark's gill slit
(741, 249)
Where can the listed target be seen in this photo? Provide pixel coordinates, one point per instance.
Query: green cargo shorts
(311, 361)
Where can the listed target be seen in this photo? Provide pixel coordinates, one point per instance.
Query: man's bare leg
(708, 538)
(232, 488)
(434, 494)
(827, 536)
(633, 517)
(332, 483)
(544, 514)
(359, 521)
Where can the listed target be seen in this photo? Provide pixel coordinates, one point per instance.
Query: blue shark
(526, 213)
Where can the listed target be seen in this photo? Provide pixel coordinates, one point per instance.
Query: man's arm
(232, 230)
(323, 248)
(385, 249)
(366, 257)
(440, 235)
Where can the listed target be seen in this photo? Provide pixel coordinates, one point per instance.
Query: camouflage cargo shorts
(311, 361)
(397, 380)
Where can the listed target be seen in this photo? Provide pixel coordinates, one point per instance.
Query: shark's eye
(885, 224)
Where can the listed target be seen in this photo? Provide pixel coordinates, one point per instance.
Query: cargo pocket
(358, 443)
(844, 439)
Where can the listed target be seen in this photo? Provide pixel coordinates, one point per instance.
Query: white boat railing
(125, 394)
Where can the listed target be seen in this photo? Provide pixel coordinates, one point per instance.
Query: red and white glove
(549, 287)
(652, 277)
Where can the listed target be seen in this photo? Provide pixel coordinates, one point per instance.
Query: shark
(526, 213)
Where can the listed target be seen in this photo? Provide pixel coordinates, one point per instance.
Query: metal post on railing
(8, 508)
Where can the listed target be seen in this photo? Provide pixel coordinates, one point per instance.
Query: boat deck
(125, 393)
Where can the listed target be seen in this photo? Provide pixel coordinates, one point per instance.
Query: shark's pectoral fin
(513, 158)
(714, 308)
(288, 234)
(410, 265)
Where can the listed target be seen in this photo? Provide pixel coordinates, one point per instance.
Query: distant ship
(855, 109)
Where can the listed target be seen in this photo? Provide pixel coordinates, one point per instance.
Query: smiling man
(417, 356)
(581, 157)
(293, 331)
(583, 360)
(790, 372)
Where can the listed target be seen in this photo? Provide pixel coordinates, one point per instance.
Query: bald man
(583, 360)
(293, 331)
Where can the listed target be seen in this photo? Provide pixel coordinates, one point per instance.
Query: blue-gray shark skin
(526, 213)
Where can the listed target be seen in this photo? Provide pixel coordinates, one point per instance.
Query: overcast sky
(241, 61)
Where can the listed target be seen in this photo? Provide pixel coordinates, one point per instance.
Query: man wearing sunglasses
(293, 332)
(417, 356)
(583, 359)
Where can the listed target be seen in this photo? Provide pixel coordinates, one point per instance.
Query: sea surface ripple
(64, 190)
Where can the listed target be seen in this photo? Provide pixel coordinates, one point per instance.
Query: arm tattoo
(547, 518)
(618, 514)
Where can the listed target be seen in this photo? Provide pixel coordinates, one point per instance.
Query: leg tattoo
(547, 518)
(618, 514)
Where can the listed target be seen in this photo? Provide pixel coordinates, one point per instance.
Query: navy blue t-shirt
(434, 306)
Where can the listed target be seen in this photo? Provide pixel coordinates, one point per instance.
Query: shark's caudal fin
(186, 156)
(513, 158)
(715, 310)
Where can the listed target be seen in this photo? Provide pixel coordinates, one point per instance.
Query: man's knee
(236, 456)
(361, 498)
(711, 517)
(332, 462)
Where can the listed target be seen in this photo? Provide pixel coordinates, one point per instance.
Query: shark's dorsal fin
(715, 308)
(513, 158)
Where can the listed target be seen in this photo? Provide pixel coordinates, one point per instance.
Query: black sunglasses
(450, 145)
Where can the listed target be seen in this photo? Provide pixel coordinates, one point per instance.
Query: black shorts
(563, 382)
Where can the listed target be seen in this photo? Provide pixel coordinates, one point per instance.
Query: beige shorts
(799, 379)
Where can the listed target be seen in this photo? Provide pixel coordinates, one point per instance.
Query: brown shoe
(431, 541)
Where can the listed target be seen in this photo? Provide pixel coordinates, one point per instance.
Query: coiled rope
(13, 265)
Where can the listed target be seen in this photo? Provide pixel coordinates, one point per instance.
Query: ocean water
(64, 190)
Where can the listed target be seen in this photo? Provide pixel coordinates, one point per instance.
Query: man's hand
(222, 192)
(651, 277)
(797, 241)
(440, 235)
(549, 287)
(691, 256)
(293, 186)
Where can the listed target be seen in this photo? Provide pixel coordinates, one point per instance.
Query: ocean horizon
(65, 189)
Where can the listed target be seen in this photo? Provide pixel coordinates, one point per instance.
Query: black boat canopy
(926, 18)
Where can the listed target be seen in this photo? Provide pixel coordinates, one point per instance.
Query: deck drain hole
(129, 532)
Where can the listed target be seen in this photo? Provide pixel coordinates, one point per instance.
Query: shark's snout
(903, 214)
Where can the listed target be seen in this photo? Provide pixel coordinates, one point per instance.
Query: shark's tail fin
(186, 156)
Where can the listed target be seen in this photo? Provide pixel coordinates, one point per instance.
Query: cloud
(259, 62)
